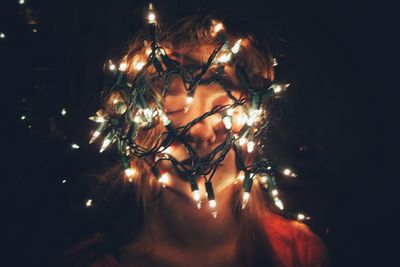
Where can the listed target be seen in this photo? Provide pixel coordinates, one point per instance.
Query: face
(203, 137)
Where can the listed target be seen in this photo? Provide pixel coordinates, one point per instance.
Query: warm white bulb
(139, 65)
(279, 203)
(274, 192)
(164, 179)
(105, 144)
(23, 117)
(235, 48)
(245, 199)
(241, 176)
(212, 203)
(89, 203)
(301, 216)
(224, 58)
(129, 172)
(151, 17)
(112, 67)
(287, 171)
(250, 146)
(63, 112)
(123, 66)
(196, 195)
(94, 136)
(2, 35)
(75, 146)
(242, 141)
(263, 179)
(227, 122)
(21, 2)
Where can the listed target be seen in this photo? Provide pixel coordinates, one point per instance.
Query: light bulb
(151, 16)
(129, 172)
(274, 192)
(235, 48)
(63, 112)
(278, 203)
(164, 178)
(75, 146)
(189, 100)
(227, 122)
(23, 117)
(300, 216)
(111, 67)
(2, 35)
(94, 136)
(105, 144)
(139, 65)
(216, 27)
(250, 146)
(245, 199)
(89, 203)
(123, 66)
(242, 141)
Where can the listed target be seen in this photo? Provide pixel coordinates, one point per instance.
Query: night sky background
(329, 127)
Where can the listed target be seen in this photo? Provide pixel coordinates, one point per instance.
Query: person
(167, 222)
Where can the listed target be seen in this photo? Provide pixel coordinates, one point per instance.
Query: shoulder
(294, 243)
(93, 251)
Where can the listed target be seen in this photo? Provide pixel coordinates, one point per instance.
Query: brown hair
(183, 36)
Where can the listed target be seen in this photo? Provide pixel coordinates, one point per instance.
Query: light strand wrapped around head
(135, 108)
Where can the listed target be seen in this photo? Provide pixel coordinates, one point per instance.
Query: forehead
(198, 55)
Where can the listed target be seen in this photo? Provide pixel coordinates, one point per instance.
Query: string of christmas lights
(137, 108)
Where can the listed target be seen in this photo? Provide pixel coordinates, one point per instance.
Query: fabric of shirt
(292, 242)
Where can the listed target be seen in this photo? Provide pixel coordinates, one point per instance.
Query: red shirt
(292, 242)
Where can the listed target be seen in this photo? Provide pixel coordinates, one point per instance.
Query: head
(194, 102)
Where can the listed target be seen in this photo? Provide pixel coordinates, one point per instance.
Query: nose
(203, 133)
(207, 131)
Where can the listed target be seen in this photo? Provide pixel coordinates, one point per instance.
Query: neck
(176, 222)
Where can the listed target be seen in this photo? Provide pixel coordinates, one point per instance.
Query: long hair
(132, 198)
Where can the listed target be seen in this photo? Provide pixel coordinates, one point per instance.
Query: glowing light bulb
(151, 16)
(242, 141)
(165, 119)
(97, 118)
(2, 35)
(245, 199)
(64, 112)
(64, 181)
(196, 197)
(129, 172)
(123, 66)
(241, 176)
(89, 202)
(287, 172)
(229, 111)
(274, 192)
(275, 62)
(139, 65)
(111, 66)
(21, 2)
(216, 27)
(242, 119)
(75, 146)
(23, 117)
(250, 146)
(105, 144)
(301, 217)
(224, 58)
(279, 87)
(235, 48)
(227, 122)
(189, 100)
(253, 116)
(164, 179)
(264, 179)
(94, 136)
(279, 203)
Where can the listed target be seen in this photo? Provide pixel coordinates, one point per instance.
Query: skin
(177, 233)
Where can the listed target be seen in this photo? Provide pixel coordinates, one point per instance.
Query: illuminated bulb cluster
(227, 54)
(289, 173)
(75, 146)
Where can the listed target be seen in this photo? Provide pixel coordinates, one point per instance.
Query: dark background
(330, 127)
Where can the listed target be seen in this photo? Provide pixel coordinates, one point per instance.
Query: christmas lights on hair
(134, 109)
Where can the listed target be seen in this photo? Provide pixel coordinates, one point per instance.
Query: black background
(331, 125)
